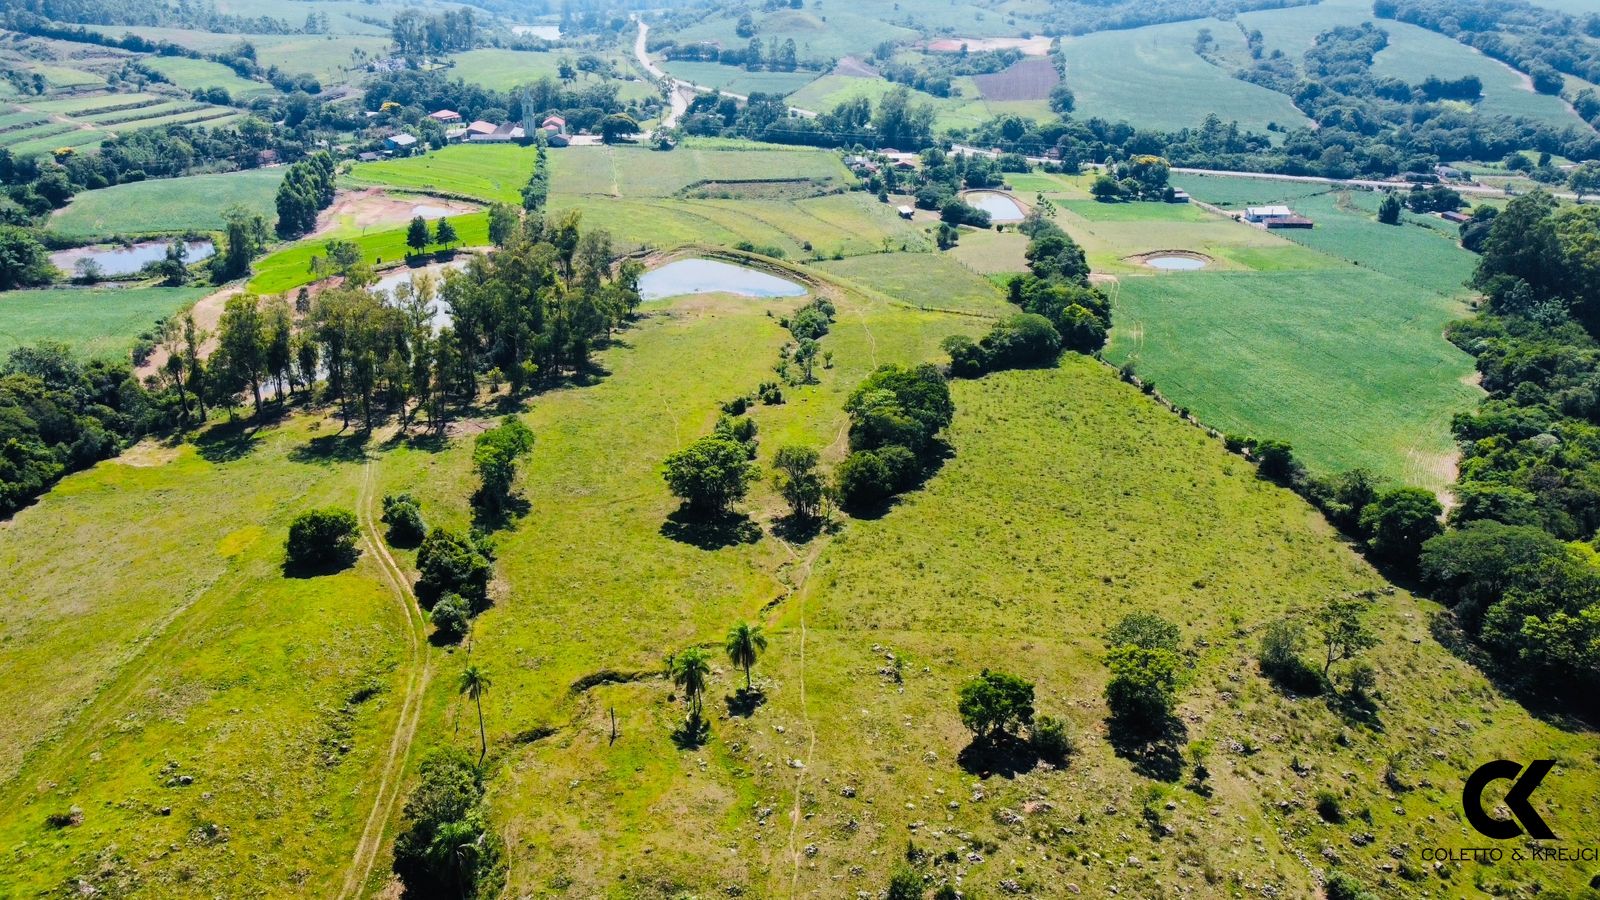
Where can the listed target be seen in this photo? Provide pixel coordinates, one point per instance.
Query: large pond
(1000, 207)
(1174, 263)
(126, 260)
(707, 276)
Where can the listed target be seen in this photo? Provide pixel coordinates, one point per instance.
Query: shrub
(1342, 887)
(450, 617)
(1279, 656)
(322, 537)
(904, 885)
(1328, 807)
(1146, 630)
(447, 848)
(403, 514)
(1049, 739)
(967, 359)
(453, 563)
(994, 703)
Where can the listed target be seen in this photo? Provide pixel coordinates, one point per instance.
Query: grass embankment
(96, 323)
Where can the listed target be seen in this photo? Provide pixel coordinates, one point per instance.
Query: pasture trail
(796, 590)
(387, 797)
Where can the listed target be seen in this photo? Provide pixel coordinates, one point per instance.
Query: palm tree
(745, 643)
(475, 683)
(690, 670)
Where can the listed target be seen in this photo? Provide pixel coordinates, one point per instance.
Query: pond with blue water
(708, 276)
(114, 261)
(1175, 263)
(1000, 207)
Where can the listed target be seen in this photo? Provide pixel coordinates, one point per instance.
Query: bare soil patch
(855, 67)
(375, 206)
(207, 312)
(1028, 79)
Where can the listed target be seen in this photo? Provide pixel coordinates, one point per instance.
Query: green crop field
(494, 172)
(95, 323)
(194, 203)
(965, 111)
(290, 267)
(1152, 78)
(1112, 233)
(839, 32)
(927, 280)
(193, 74)
(635, 172)
(1348, 365)
(737, 80)
(330, 57)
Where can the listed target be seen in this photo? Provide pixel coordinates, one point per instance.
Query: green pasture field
(290, 267)
(1069, 499)
(34, 133)
(989, 252)
(1348, 365)
(82, 139)
(737, 80)
(193, 203)
(966, 111)
(101, 323)
(192, 74)
(634, 172)
(843, 224)
(79, 106)
(839, 31)
(118, 117)
(503, 70)
(495, 172)
(188, 674)
(330, 57)
(1152, 78)
(926, 280)
(66, 76)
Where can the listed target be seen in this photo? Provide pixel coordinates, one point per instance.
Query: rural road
(683, 90)
(391, 774)
(1479, 189)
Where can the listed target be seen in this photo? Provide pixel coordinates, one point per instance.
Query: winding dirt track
(419, 672)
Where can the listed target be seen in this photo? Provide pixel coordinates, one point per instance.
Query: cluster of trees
(23, 261)
(1142, 176)
(1087, 16)
(191, 16)
(934, 74)
(690, 671)
(453, 570)
(715, 472)
(897, 122)
(419, 237)
(447, 846)
(1341, 636)
(418, 35)
(306, 189)
(1529, 480)
(896, 417)
(59, 415)
(755, 56)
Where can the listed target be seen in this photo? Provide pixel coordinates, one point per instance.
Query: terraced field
(82, 121)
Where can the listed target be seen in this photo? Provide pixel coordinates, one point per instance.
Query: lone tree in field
(444, 234)
(745, 642)
(1343, 633)
(795, 476)
(321, 538)
(417, 234)
(994, 703)
(1389, 209)
(690, 671)
(710, 474)
(1144, 673)
(475, 683)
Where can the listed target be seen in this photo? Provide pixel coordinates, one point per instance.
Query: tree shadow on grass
(710, 532)
(1154, 752)
(1005, 755)
(744, 702)
(692, 734)
(794, 529)
(227, 441)
(333, 448)
(498, 513)
(333, 565)
(1556, 704)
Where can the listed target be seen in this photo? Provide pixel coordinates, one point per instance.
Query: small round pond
(1175, 263)
(1000, 207)
(708, 276)
(126, 260)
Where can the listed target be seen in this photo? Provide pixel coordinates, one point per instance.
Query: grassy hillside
(1152, 78)
(169, 204)
(200, 74)
(736, 80)
(290, 266)
(96, 323)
